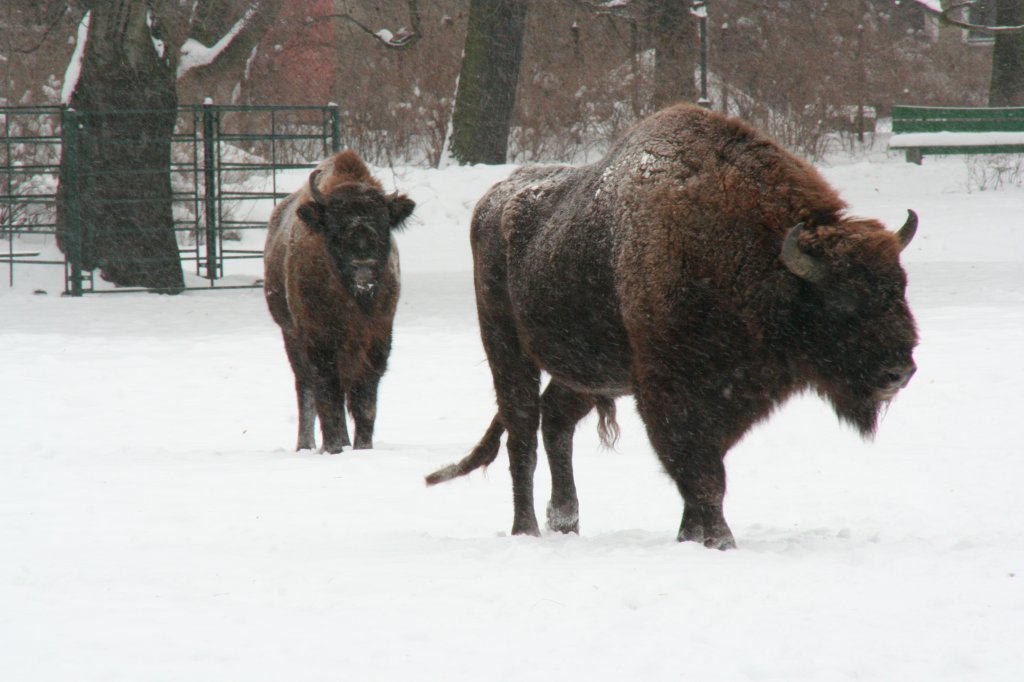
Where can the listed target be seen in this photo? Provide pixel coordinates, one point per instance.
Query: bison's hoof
(691, 535)
(526, 528)
(363, 445)
(691, 531)
(720, 543)
(564, 519)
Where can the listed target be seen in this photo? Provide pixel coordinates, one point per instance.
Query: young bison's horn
(314, 190)
(798, 262)
(906, 232)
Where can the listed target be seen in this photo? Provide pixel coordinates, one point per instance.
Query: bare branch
(50, 27)
(395, 41)
(946, 17)
(614, 8)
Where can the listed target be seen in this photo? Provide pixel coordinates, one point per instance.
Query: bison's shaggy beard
(861, 412)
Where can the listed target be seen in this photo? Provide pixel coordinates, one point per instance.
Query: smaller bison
(331, 283)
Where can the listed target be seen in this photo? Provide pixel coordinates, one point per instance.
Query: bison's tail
(607, 427)
(483, 454)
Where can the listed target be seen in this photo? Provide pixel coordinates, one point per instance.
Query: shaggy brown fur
(332, 284)
(661, 271)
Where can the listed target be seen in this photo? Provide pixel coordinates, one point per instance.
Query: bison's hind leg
(517, 385)
(561, 409)
(336, 437)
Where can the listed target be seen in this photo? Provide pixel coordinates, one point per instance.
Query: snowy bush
(994, 171)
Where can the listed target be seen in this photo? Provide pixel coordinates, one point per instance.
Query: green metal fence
(223, 158)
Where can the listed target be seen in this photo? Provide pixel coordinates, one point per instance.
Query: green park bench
(957, 130)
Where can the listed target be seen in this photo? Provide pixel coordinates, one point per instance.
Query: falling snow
(157, 525)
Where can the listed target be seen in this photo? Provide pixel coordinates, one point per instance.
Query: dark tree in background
(674, 50)
(1007, 89)
(124, 190)
(131, 64)
(487, 81)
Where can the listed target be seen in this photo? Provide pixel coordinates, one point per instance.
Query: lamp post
(699, 9)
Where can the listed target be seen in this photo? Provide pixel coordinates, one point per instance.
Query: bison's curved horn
(798, 262)
(313, 189)
(908, 230)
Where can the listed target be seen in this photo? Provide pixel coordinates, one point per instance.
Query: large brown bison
(331, 283)
(699, 267)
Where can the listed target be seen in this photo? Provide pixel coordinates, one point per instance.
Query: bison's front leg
(684, 435)
(703, 520)
(561, 409)
(363, 404)
(330, 399)
(362, 400)
(304, 391)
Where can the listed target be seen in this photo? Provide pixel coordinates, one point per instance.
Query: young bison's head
(854, 323)
(355, 220)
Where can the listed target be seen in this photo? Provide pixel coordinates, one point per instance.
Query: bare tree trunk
(127, 228)
(486, 94)
(674, 52)
(1007, 87)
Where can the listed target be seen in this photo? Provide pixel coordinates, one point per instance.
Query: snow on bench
(957, 130)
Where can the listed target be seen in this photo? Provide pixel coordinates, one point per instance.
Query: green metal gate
(224, 159)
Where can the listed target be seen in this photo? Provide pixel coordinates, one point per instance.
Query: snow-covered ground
(155, 523)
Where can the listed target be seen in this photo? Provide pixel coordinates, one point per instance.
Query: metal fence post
(70, 127)
(7, 189)
(332, 111)
(210, 187)
(699, 9)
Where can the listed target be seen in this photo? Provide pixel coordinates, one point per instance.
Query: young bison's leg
(683, 435)
(561, 408)
(362, 400)
(304, 392)
(330, 399)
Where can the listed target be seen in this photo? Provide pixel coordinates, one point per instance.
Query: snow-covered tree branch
(396, 40)
(960, 8)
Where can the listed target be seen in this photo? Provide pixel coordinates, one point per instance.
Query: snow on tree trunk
(124, 193)
(487, 81)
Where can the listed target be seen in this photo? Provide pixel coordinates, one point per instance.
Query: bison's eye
(842, 302)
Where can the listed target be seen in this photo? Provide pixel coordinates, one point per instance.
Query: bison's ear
(312, 214)
(399, 208)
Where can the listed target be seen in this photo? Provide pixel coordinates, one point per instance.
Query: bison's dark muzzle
(895, 379)
(365, 275)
